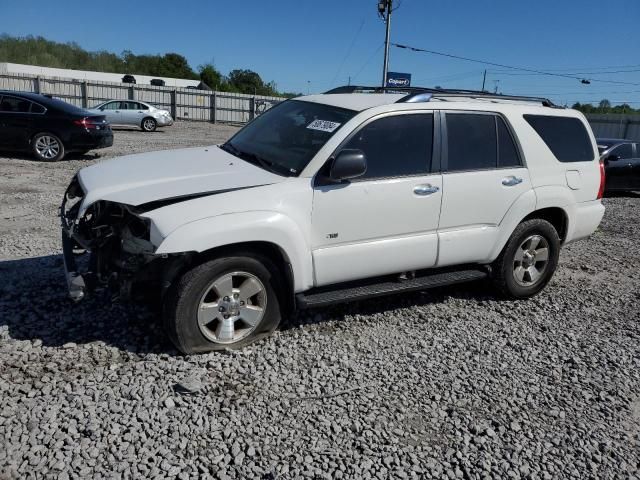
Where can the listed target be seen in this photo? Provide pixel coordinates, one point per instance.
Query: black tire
(504, 267)
(182, 302)
(47, 147)
(149, 124)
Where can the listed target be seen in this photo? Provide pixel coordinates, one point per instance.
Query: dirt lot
(450, 383)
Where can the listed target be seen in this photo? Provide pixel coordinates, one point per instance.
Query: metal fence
(612, 125)
(183, 103)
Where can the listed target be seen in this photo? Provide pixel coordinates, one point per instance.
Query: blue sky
(314, 44)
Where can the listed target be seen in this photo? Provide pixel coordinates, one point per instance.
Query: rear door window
(15, 105)
(566, 137)
(472, 142)
(507, 151)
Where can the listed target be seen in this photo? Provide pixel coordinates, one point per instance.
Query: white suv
(336, 197)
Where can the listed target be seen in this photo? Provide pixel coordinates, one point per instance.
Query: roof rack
(420, 94)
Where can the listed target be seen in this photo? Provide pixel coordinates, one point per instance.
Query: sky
(313, 45)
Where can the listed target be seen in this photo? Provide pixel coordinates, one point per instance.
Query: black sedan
(48, 127)
(622, 164)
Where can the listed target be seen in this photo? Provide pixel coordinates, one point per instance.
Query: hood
(170, 174)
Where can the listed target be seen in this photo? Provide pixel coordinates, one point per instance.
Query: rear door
(132, 114)
(483, 175)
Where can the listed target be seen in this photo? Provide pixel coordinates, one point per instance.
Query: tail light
(91, 123)
(602, 180)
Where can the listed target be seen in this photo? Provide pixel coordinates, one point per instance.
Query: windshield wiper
(256, 160)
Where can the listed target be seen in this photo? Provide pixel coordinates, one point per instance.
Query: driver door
(384, 222)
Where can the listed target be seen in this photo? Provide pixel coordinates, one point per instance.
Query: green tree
(210, 76)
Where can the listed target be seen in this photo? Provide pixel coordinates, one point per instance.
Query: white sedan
(133, 112)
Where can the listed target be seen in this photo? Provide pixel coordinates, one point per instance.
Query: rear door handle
(425, 189)
(511, 181)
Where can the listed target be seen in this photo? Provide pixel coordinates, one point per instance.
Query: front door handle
(425, 189)
(511, 181)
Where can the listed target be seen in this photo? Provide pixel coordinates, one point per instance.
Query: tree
(604, 104)
(210, 76)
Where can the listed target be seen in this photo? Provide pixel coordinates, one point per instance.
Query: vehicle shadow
(34, 306)
(622, 195)
(478, 291)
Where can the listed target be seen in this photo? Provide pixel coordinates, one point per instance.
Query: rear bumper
(91, 141)
(164, 122)
(587, 216)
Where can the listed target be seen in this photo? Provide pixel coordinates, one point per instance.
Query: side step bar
(326, 296)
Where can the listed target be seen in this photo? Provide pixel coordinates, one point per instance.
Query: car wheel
(528, 260)
(149, 124)
(224, 303)
(47, 147)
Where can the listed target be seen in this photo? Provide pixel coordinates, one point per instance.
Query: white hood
(147, 177)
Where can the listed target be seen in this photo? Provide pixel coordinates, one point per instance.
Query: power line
(511, 67)
(368, 61)
(355, 37)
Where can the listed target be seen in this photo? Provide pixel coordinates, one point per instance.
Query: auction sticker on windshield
(323, 125)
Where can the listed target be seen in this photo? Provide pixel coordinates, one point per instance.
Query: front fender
(234, 228)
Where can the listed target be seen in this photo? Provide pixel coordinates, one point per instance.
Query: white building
(18, 69)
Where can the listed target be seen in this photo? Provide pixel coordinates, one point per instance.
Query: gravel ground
(450, 383)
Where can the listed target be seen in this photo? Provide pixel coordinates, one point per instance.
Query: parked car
(49, 128)
(622, 164)
(134, 113)
(157, 82)
(128, 79)
(337, 197)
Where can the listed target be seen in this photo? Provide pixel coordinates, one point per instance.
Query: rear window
(566, 137)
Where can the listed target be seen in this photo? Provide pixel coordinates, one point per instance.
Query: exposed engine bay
(107, 245)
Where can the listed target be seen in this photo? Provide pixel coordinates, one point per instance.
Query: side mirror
(612, 158)
(348, 164)
(101, 109)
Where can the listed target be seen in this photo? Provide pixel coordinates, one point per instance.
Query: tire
(528, 260)
(195, 308)
(47, 147)
(149, 124)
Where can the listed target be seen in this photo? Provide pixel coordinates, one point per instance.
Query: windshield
(285, 138)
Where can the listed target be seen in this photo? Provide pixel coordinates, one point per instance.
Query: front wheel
(47, 147)
(149, 124)
(224, 303)
(528, 260)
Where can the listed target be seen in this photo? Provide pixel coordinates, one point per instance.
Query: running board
(347, 294)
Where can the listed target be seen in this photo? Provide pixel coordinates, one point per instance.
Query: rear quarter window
(566, 137)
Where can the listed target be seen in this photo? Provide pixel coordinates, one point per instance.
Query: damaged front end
(106, 245)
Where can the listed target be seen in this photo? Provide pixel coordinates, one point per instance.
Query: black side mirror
(612, 158)
(348, 164)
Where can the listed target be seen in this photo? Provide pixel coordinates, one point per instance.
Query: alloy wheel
(47, 147)
(531, 260)
(232, 307)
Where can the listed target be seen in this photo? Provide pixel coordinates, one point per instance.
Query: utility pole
(484, 79)
(384, 9)
(495, 90)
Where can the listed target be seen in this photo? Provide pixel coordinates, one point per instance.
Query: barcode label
(323, 125)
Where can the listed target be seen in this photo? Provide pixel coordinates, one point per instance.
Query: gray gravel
(450, 383)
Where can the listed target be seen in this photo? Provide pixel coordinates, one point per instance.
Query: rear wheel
(149, 124)
(224, 303)
(529, 259)
(47, 147)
